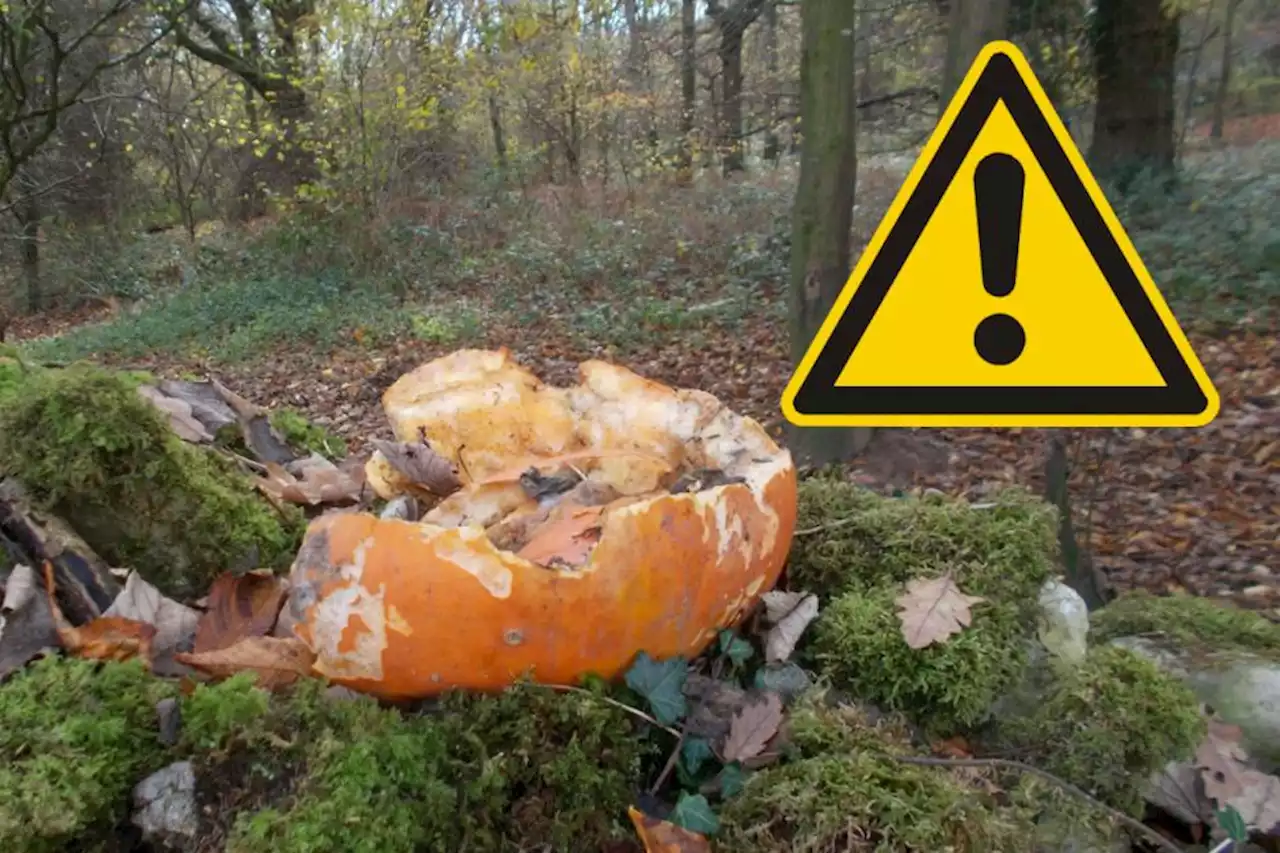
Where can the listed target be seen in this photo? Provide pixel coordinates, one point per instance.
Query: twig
(668, 767)
(1137, 826)
(622, 706)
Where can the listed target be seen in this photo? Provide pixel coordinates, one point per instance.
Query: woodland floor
(1171, 510)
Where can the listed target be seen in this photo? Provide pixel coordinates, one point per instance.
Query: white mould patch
(468, 548)
(332, 633)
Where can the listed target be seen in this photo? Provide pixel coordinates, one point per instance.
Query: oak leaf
(932, 610)
(1230, 781)
(277, 661)
(175, 623)
(753, 727)
(660, 836)
(317, 481)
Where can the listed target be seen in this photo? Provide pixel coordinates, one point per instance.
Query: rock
(169, 713)
(1241, 687)
(165, 806)
(1063, 622)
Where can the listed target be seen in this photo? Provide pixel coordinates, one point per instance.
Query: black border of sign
(819, 394)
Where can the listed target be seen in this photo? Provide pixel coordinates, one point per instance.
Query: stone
(1243, 688)
(1063, 622)
(165, 805)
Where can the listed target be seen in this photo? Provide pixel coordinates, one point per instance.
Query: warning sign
(1000, 289)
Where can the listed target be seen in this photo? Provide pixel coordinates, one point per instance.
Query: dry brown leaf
(789, 614)
(1231, 782)
(567, 539)
(1176, 789)
(277, 661)
(316, 483)
(181, 420)
(753, 727)
(932, 610)
(26, 625)
(422, 465)
(175, 623)
(104, 638)
(239, 606)
(660, 836)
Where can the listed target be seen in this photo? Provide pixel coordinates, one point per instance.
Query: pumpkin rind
(402, 610)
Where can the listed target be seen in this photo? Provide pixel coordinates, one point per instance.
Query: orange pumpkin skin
(406, 610)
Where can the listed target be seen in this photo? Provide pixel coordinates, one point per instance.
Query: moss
(1008, 548)
(12, 374)
(844, 790)
(529, 766)
(1191, 622)
(1003, 553)
(91, 450)
(75, 737)
(1107, 724)
(539, 767)
(304, 435)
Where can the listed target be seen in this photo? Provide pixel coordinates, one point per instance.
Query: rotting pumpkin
(676, 515)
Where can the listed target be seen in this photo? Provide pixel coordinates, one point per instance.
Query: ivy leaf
(694, 753)
(661, 683)
(788, 679)
(1232, 823)
(694, 813)
(732, 780)
(735, 648)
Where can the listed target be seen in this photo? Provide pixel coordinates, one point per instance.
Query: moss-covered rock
(1108, 723)
(90, 449)
(1188, 621)
(870, 546)
(74, 739)
(843, 790)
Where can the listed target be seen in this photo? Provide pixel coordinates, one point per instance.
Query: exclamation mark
(997, 185)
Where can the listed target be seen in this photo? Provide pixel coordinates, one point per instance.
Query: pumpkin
(594, 522)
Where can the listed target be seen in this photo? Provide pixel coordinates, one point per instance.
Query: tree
(265, 51)
(1224, 73)
(823, 212)
(51, 54)
(732, 21)
(970, 25)
(1135, 51)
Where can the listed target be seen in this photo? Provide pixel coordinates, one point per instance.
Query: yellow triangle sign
(1000, 289)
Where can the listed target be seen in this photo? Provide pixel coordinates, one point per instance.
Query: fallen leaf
(1230, 781)
(422, 465)
(239, 606)
(753, 727)
(1177, 789)
(932, 610)
(314, 481)
(713, 705)
(26, 625)
(255, 427)
(175, 623)
(567, 539)
(789, 614)
(660, 836)
(952, 747)
(104, 638)
(277, 661)
(181, 420)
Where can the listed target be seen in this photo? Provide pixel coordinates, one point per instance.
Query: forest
(392, 458)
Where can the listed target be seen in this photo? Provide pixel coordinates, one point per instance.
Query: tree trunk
(970, 25)
(771, 147)
(1224, 76)
(823, 212)
(731, 101)
(688, 87)
(27, 212)
(499, 137)
(1135, 50)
